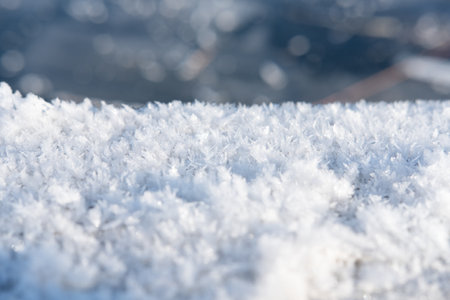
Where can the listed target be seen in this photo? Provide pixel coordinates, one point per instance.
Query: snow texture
(199, 201)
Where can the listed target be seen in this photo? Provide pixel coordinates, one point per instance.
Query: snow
(199, 201)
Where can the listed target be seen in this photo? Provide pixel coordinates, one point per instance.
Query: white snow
(197, 201)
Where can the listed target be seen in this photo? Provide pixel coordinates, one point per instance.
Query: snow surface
(196, 201)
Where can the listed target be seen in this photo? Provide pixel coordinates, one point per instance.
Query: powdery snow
(196, 201)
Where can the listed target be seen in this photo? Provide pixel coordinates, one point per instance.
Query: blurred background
(241, 51)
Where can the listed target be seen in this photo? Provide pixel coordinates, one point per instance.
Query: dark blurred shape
(245, 51)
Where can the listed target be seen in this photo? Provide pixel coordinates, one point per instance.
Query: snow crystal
(199, 201)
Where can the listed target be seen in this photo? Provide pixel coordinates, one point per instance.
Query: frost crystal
(196, 201)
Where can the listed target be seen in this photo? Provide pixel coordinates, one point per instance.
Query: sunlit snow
(196, 201)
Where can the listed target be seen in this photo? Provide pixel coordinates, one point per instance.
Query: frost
(197, 201)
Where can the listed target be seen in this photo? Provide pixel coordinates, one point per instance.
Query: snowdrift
(196, 201)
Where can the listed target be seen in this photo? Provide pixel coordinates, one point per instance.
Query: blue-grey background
(246, 51)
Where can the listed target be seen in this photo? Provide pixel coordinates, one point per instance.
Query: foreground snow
(194, 201)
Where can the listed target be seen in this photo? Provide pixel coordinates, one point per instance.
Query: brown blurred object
(388, 77)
